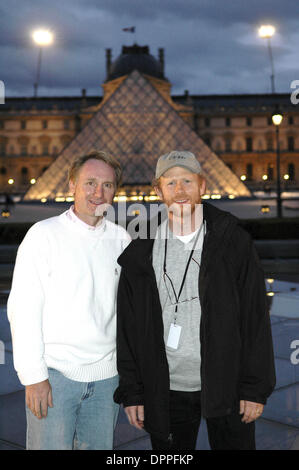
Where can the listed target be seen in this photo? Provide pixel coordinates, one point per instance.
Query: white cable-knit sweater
(62, 304)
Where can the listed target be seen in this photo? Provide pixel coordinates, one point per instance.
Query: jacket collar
(138, 255)
(220, 225)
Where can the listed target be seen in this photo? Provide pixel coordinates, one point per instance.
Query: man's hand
(250, 410)
(38, 398)
(135, 415)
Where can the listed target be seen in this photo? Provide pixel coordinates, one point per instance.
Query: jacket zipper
(201, 334)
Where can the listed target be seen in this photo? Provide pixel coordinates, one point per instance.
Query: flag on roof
(129, 30)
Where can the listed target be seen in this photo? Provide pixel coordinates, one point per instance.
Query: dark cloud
(218, 11)
(211, 46)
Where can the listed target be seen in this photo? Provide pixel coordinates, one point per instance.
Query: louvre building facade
(137, 119)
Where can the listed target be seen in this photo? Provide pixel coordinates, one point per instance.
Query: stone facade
(239, 129)
(33, 132)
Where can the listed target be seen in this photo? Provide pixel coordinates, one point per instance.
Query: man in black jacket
(194, 335)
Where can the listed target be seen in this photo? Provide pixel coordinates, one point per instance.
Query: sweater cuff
(127, 399)
(33, 376)
(254, 399)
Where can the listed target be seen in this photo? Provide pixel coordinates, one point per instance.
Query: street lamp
(42, 38)
(286, 178)
(277, 119)
(266, 188)
(266, 32)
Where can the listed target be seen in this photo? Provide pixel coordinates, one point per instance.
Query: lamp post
(266, 32)
(277, 119)
(42, 38)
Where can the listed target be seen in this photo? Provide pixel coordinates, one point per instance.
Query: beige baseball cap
(181, 158)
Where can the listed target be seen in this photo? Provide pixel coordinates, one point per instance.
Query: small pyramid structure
(136, 124)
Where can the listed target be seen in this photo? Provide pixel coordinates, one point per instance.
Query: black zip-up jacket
(237, 361)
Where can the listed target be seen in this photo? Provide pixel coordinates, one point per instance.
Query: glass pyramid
(136, 125)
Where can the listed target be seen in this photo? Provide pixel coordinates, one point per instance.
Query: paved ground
(279, 426)
(278, 429)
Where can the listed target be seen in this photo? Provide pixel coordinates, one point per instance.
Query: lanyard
(186, 269)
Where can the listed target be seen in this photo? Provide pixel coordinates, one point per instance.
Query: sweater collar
(70, 214)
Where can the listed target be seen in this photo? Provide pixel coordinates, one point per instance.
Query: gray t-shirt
(184, 362)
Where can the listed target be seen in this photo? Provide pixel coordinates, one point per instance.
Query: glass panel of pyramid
(136, 125)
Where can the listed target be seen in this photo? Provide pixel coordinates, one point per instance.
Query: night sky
(211, 46)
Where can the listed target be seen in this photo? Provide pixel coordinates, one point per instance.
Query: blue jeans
(83, 416)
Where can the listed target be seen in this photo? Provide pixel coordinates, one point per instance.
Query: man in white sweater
(62, 308)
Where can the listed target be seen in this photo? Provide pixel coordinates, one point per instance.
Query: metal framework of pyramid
(136, 125)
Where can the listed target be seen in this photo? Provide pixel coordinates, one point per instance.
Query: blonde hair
(95, 155)
(156, 182)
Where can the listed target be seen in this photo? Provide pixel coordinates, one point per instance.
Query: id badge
(174, 336)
